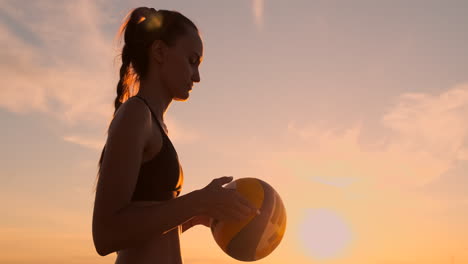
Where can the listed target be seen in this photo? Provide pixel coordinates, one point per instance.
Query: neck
(157, 96)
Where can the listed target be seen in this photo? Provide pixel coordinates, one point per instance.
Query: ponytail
(141, 27)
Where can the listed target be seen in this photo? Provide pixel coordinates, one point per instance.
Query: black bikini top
(160, 178)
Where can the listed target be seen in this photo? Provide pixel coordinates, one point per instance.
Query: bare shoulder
(127, 137)
(132, 114)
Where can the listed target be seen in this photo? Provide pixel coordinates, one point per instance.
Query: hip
(164, 249)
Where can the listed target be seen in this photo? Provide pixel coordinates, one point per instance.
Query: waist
(164, 249)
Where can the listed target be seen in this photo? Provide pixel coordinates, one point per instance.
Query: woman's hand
(223, 204)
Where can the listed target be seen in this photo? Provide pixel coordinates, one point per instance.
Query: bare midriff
(163, 249)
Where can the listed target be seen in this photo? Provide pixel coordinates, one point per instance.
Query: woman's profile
(138, 210)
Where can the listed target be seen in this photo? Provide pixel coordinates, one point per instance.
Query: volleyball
(255, 237)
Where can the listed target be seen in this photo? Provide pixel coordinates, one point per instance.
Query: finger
(220, 212)
(240, 210)
(236, 199)
(226, 214)
(223, 180)
(246, 210)
(242, 200)
(234, 215)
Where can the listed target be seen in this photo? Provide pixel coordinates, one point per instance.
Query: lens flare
(257, 7)
(324, 234)
(155, 22)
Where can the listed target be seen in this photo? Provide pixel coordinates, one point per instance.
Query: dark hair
(141, 27)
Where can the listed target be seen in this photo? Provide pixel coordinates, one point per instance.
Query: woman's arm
(118, 222)
(137, 222)
(196, 220)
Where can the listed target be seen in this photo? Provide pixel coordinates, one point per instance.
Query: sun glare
(324, 234)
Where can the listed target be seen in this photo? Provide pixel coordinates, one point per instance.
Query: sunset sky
(356, 112)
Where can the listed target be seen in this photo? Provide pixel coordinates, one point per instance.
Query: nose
(196, 76)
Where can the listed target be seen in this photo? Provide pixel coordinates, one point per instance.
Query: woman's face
(180, 69)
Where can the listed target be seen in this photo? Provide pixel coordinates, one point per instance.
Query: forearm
(197, 220)
(187, 225)
(139, 222)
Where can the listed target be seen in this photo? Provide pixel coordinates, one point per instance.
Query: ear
(158, 51)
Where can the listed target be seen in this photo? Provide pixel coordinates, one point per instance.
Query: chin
(182, 98)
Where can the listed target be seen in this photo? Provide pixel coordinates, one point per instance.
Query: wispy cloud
(19, 92)
(68, 71)
(428, 134)
(257, 9)
(181, 134)
(85, 142)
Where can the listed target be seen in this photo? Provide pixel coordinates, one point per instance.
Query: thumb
(223, 180)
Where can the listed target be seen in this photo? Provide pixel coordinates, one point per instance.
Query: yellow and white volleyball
(257, 236)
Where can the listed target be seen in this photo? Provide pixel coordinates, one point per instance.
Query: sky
(356, 112)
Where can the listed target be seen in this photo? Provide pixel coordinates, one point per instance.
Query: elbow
(102, 248)
(101, 251)
(101, 243)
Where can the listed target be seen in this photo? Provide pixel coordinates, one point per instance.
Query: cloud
(180, 134)
(85, 142)
(427, 135)
(68, 71)
(257, 9)
(19, 93)
(435, 124)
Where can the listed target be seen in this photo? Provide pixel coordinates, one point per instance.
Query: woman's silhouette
(138, 212)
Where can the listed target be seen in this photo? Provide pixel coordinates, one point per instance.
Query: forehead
(191, 42)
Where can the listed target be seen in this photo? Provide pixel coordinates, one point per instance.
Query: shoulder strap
(146, 102)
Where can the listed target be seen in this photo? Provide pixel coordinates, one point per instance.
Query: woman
(138, 212)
